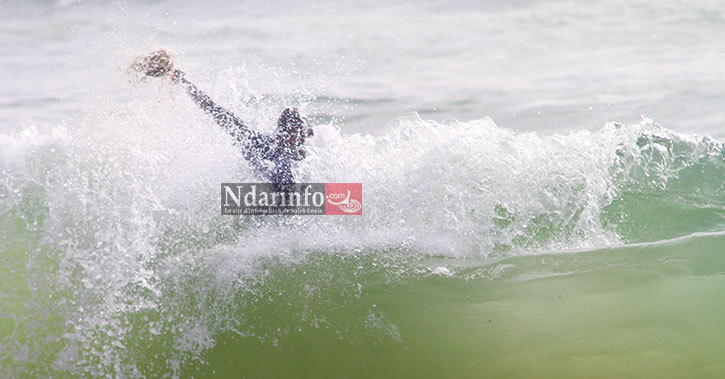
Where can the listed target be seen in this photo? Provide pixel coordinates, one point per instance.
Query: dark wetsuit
(257, 147)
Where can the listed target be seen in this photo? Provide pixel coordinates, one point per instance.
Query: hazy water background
(521, 217)
(530, 65)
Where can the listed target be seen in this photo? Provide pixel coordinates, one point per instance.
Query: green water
(636, 311)
(650, 311)
(658, 327)
(156, 283)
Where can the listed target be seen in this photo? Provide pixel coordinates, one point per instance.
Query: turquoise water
(543, 191)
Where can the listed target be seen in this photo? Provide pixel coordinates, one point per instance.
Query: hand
(158, 63)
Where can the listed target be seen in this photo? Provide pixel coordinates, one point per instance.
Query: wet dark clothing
(257, 147)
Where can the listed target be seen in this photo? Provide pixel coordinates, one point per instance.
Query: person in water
(279, 149)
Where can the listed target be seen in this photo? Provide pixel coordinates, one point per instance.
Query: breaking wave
(114, 242)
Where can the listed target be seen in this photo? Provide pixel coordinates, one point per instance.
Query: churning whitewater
(543, 188)
(120, 232)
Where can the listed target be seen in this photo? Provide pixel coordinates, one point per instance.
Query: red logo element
(343, 198)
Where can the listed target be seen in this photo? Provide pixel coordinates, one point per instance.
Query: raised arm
(160, 63)
(226, 119)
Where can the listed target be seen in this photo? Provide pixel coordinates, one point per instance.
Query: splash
(113, 240)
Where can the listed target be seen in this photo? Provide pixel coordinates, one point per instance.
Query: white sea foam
(127, 201)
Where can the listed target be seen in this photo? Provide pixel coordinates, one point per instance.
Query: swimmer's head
(292, 129)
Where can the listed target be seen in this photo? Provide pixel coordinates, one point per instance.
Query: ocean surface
(543, 190)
